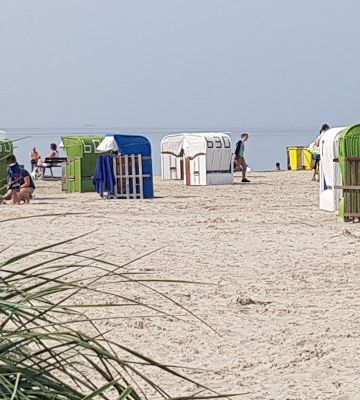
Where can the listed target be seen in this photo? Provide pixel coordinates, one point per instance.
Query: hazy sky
(175, 63)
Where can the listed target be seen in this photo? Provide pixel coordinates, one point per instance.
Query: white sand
(266, 241)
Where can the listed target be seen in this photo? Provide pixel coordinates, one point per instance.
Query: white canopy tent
(198, 158)
(329, 170)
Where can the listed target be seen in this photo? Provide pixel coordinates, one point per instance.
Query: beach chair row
(194, 158)
(340, 172)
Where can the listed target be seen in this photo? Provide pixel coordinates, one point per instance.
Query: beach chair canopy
(172, 144)
(329, 170)
(81, 146)
(6, 147)
(192, 143)
(349, 145)
(125, 144)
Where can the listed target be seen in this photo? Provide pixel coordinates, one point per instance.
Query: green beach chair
(6, 148)
(82, 156)
(349, 162)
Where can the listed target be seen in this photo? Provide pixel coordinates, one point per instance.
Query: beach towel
(104, 178)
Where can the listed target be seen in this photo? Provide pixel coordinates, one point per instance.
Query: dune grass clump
(43, 353)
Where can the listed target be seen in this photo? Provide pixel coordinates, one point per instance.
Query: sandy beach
(284, 280)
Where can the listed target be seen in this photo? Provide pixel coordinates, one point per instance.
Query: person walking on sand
(315, 151)
(239, 157)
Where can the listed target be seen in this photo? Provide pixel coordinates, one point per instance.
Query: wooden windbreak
(129, 176)
(351, 189)
(63, 177)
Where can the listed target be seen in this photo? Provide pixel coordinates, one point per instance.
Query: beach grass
(50, 348)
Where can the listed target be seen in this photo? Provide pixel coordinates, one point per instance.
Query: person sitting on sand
(27, 188)
(53, 154)
(13, 179)
(239, 156)
(315, 151)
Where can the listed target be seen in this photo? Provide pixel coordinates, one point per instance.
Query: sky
(179, 63)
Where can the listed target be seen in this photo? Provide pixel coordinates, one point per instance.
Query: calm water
(265, 147)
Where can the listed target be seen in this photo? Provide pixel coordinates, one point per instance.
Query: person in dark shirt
(13, 178)
(239, 156)
(26, 188)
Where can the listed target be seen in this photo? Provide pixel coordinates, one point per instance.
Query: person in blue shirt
(14, 176)
(27, 188)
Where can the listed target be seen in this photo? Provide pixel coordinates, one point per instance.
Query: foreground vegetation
(44, 355)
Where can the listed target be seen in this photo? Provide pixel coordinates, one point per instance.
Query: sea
(266, 146)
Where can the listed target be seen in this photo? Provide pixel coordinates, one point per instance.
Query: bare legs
(15, 195)
(23, 195)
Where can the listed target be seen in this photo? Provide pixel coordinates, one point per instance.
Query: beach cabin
(330, 177)
(198, 158)
(349, 164)
(132, 165)
(82, 156)
(6, 148)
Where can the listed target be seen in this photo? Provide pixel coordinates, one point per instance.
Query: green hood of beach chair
(6, 148)
(81, 146)
(349, 146)
(84, 148)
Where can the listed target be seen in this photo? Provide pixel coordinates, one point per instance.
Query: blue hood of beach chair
(132, 144)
